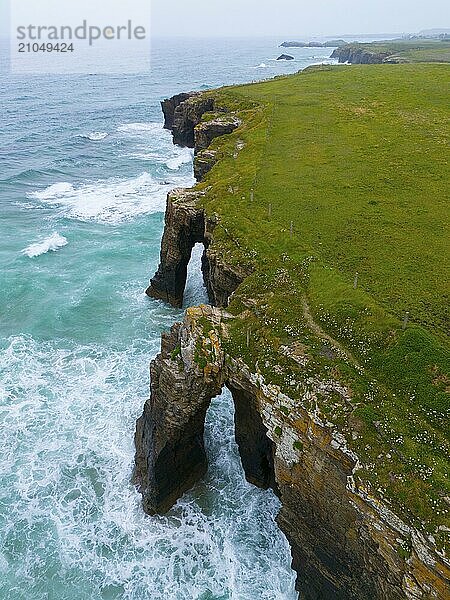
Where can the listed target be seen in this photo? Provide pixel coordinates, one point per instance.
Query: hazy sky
(296, 18)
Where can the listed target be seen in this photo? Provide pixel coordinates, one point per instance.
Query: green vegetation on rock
(414, 50)
(335, 192)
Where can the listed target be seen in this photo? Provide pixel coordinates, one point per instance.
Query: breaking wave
(50, 244)
(134, 128)
(96, 136)
(183, 157)
(110, 201)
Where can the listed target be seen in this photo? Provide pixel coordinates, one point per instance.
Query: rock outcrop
(185, 226)
(204, 133)
(345, 543)
(285, 57)
(327, 44)
(185, 223)
(182, 113)
(169, 105)
(204, 162)
(358, 55)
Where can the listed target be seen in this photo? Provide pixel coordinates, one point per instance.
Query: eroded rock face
(185, 222)
(170, 452)
(345, 543)
(184, 227)
(207, 131)
(220, 279)
(256, 449)
(359, 56)
(169, 106)
(185, 116)
(203, 163)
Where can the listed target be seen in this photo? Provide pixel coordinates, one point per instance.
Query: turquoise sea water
(84, 170)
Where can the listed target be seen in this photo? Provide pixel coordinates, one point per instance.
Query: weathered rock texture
(182, 113)
(185, 222)
(345, 543)
(185, 226)
(207, 131)
(204, 134)
(204, 162)
(177, 461)
(358, 55)
(169, 105)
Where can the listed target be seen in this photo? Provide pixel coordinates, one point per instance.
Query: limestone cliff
(169, 105)
(346, 542)
(182, 113)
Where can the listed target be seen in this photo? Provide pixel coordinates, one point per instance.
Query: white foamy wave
(178, 158)
(53, 191)
(50, 244)
(140, 127)
(96, 136)
(261, 66)
(68, 416)
(183, 157)
(150, 156)
(161, 151)
(113, 200)
(195, 292)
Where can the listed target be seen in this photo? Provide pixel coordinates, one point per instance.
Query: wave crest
(183, 157)
(50, 244)
(111, 201)
(95, 136)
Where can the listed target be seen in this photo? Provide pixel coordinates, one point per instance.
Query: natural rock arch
(170, 449)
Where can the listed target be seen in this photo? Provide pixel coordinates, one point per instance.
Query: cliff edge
(311, 359)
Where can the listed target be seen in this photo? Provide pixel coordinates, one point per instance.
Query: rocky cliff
(358, 55)
(185, 221)
(186, 225)
(347, 543)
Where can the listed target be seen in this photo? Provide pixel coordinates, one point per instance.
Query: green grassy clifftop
(334, 193)
(395, 51)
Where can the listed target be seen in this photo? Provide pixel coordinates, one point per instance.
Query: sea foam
(163, 151)
(96, 136)
(183, 157)
(67, 456)
(110, 201)
(50, 244)
(134, 128)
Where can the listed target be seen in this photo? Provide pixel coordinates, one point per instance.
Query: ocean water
(85, 167)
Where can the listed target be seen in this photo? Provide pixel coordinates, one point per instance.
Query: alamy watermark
(79, 36)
